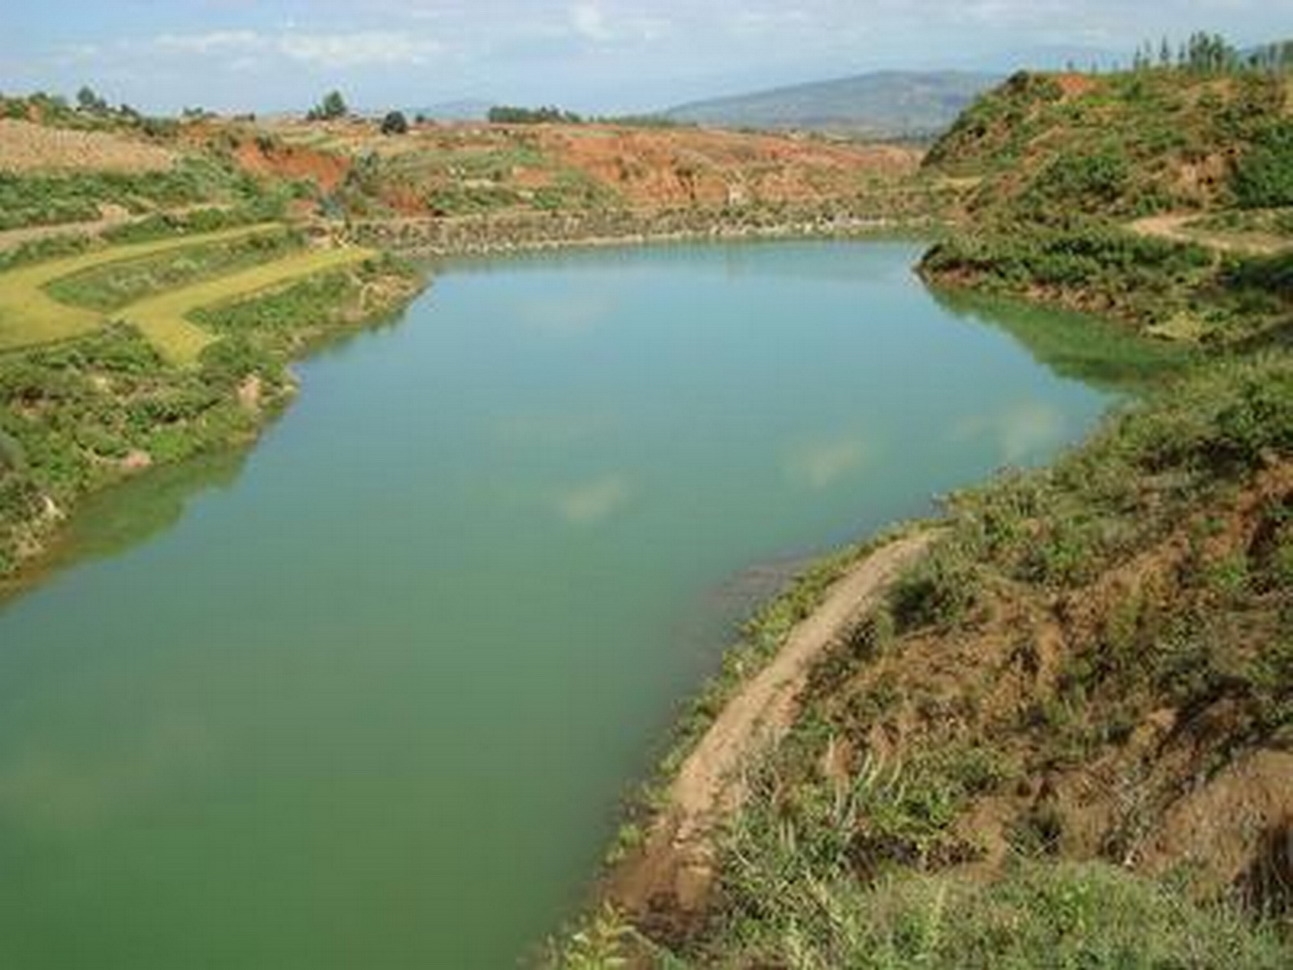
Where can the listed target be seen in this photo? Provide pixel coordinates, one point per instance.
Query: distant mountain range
(883, 104)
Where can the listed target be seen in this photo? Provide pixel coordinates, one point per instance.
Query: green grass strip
(162, 318)
(29, 315)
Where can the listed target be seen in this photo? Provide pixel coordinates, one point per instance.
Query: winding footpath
(1176, 227)
(675, 868)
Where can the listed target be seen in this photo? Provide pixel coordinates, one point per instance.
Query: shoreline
(672, 870)
(42, 539)
(526, 231)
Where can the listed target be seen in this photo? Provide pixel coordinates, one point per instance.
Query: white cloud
(337, 50)
(356, 49)
(588, 21)
(213, 42)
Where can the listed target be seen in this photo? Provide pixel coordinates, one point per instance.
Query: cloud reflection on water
(1019, 430)
(821, 464)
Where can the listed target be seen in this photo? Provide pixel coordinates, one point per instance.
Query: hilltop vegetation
(1050, 148)
(1063, 167)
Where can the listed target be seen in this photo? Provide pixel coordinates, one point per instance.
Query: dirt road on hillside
(1175, 227)
(674, 870)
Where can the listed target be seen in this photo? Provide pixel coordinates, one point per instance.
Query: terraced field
(162, 319)
(30, 315)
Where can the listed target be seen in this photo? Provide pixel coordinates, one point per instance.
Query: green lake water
(368, 695)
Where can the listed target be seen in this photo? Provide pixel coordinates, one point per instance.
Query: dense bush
(395, 124)
(1088, 183)
(512, 115)
(1264, 176)
(938, 591)
(1092, 916)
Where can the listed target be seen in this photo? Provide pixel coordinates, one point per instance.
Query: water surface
(367, 696)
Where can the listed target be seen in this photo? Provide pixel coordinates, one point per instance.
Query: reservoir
(370, 694)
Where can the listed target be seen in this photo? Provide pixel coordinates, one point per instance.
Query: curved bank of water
(370, 698)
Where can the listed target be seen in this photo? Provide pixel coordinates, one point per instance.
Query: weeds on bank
(1037, 915)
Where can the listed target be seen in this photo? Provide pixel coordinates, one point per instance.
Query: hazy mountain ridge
(882, 103)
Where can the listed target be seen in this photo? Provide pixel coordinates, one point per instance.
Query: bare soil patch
(28, 147)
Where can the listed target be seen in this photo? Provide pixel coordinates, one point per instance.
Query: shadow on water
(1097, 352)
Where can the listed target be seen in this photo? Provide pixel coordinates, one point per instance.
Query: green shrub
(937, 591)
(1092, 182)
(1264, 176)
(1259, 421)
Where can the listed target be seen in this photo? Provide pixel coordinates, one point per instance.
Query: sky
(599, 56)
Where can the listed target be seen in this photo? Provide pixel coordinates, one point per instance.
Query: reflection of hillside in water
(820, 260)
(1078, 346)
(133, 512)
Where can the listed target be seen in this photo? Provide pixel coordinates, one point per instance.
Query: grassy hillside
(1066, 739)
(1049, 148)
(885, 104)
(1088, 190)
(190, 370)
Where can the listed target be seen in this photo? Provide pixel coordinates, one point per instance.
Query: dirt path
(674, 870)
(1175, 227)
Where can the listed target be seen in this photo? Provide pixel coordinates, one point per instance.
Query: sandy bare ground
(1175, 226)
(28, 147)
(673, 872)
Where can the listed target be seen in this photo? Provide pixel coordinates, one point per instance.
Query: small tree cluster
(1273, 57)
(1205, 53)
(510, 115)
(395, 123)
(89, 102)
(331, 108)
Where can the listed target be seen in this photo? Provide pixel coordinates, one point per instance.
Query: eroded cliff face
(476, 169)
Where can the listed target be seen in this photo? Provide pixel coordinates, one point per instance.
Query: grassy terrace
(162, 318)
(30, 316)
(36, 302)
